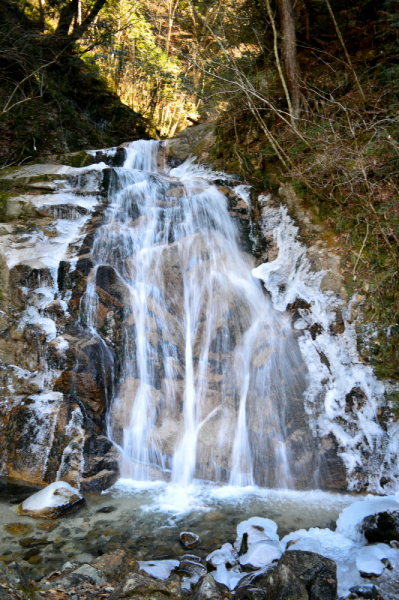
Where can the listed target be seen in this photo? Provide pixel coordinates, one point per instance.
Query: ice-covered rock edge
(363, 443)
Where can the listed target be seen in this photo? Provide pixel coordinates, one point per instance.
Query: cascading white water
(208, 365)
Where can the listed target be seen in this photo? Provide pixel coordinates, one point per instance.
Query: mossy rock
(71, 159)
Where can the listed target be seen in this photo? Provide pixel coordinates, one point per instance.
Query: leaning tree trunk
(290, 60)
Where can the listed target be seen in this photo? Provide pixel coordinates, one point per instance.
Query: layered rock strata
(56, 376)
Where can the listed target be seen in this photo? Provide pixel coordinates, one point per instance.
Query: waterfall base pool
(148, 518)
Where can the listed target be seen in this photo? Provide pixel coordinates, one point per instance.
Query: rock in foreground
(297, 576)
(51, 502)
(136, 585)
(381, 527)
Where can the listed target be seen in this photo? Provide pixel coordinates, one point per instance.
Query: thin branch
(361, 250)
(348, 58)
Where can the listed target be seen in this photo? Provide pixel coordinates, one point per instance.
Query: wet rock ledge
(56, 377)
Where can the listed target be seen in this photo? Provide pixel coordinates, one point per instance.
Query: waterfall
(209, 367)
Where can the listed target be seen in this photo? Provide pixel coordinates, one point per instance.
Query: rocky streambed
(201, 543)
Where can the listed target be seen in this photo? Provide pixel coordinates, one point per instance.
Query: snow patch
(55, 495)
(160, 569)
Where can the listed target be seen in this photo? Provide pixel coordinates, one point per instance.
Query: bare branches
(348, 58)
(361, 249)
(278, 64)
(34, 75)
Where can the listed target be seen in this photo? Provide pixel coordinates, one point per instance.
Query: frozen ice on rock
(257, 530)
(306, 544)
(291, 276)
(52, 501)
(193, 569)
(31, 316)
(347, 545)
(369, 560)
(160, 569)
(229, 577)
(333, 545)
(351, 517)
(60, 344)
(330, 544)
(262, 554)
(189, 539)
(225, 555)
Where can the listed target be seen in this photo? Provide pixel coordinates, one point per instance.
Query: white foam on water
(190, 170)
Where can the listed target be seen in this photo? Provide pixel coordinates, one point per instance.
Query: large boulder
(197, 141)
(206, 589)
(139, 586)
(297, 576)
(317, 573)
(278, 583)
(381, 527)
(116, 565)
(51, 502)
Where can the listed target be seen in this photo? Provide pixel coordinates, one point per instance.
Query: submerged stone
(53, 501)
(47, 525)
(18, 528)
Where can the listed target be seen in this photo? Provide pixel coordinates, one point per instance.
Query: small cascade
(209, 367)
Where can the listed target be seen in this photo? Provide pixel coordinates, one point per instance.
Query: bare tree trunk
(70, 14)
(79, 14)
(290, 60)
(348, 58)
(171, 6)
(67, 16)
(41, 16)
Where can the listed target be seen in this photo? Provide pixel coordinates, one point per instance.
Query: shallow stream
(148, 518)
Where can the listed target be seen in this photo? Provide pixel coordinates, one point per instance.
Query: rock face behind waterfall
(56, 377)
(118, 286)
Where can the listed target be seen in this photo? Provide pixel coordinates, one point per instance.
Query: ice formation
(333, 362)
(160, 569)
